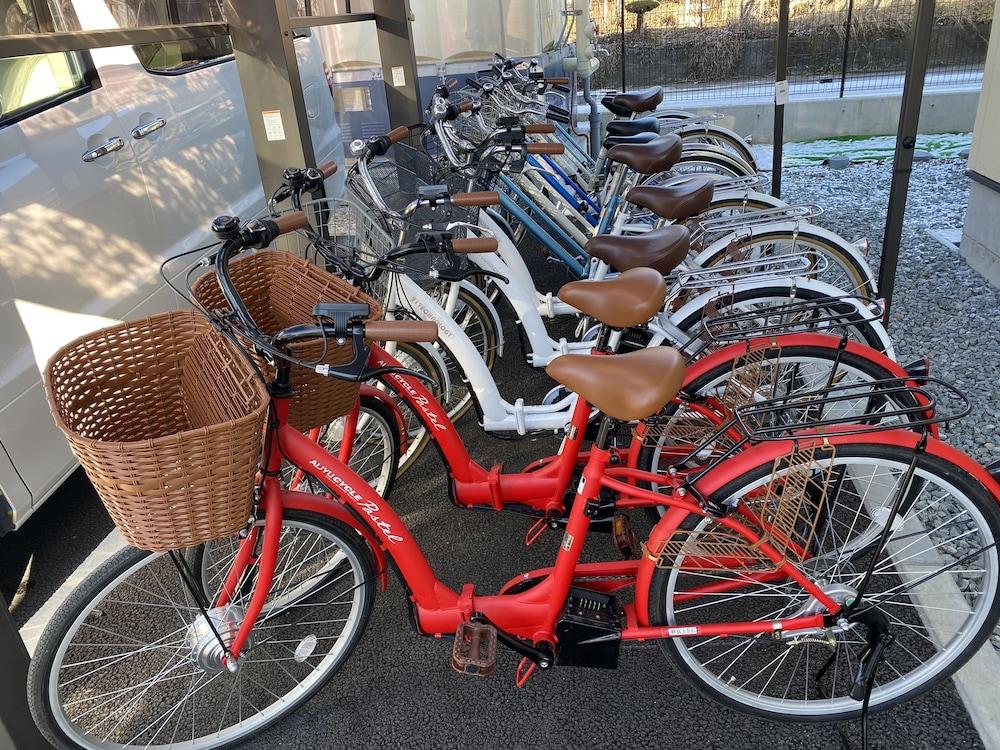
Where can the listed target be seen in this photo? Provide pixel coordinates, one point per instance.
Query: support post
(847, 46)
(622, 4)
(399, 63)
(264, 48)
(780, 77)
(17, 728)
(906, 140)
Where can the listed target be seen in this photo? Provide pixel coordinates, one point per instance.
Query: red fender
(326, 506)
(390, 403)
(765, 453)
(709, 362)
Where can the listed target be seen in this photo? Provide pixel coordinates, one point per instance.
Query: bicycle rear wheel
(936, 581)
(130, 661)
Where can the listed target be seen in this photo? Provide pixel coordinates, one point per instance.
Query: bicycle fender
(389, 403)
(324, 506)
(490, 308)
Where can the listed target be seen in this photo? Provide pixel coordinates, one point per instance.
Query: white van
(110, 161)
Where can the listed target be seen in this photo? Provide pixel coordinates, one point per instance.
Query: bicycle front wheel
(129, 660)
(935, 581)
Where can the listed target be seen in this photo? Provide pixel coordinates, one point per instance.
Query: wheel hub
(839, 592)
(207, 651)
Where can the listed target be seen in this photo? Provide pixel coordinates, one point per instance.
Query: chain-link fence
(714, 49)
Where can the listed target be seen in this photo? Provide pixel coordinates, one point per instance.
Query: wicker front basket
(280, 290)
(166, 417)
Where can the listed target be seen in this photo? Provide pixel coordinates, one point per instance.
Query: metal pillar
(17, 728)
(906, 139)
(269, 76)
(847, 46)
(399, 63)
(780, 78)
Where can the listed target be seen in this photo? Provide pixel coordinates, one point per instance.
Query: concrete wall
(941, 112)
(981, 233)
(984, 157)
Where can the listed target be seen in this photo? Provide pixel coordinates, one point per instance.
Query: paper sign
(780, 93)
(274, 128)
(398, 76)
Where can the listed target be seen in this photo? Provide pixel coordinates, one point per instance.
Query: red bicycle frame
(438, 609)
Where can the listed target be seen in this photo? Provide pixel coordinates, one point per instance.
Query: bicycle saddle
(634, 102)
(617, 140)
(632, 127)
(626, 387)
(625, 301)
(679, 201)
(658, 155)
(661, 249)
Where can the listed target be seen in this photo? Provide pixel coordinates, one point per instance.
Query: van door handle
(109, 146)
(141, 131)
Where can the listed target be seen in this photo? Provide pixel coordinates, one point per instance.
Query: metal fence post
(17, 728)
(780, 75)
(399, 63)
(847, 46)
(906, 140)
(622, 4)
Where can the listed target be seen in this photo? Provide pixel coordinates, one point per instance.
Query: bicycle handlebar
(475, 245)
(481, 198)
(544, 148)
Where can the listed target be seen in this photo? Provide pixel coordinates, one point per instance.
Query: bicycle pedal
(475, 649)
(621, 528)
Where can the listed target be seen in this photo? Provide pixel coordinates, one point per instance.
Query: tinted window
(27, 83)
(179, 57)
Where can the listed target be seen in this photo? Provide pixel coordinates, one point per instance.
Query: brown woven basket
(166, 417)
(280, 290)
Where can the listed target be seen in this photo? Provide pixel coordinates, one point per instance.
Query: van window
(183, 56)
(29, 83)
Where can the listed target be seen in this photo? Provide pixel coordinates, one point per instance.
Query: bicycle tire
(933, 469)
(95, 590)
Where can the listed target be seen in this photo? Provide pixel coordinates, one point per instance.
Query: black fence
(712, 49)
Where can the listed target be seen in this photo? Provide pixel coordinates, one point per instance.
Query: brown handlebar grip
(540, 128)
(558, 81)
(475, 245)
(291, 221)
(466, 106)
(395, 136)
(544, 148)
(412, 331)
(482, 198)
(328, 169)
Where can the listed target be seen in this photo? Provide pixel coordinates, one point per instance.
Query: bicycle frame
(532, 614)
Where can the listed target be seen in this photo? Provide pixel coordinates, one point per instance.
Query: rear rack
(760, 269)
(736, 222)
(768, 420)
(750, 182)
(822, 314)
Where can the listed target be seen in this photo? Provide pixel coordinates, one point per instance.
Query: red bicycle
(804, 572)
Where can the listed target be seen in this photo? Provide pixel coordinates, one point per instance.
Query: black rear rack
(770, 419)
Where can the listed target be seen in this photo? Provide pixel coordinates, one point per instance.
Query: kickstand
(525, 669)
(879, 639)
